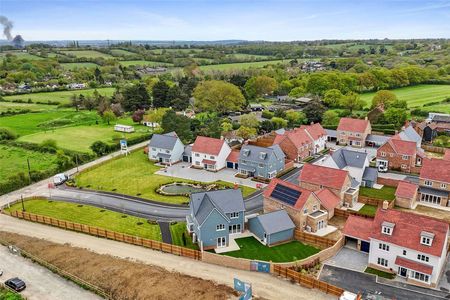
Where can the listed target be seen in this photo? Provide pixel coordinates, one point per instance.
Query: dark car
(16, 284)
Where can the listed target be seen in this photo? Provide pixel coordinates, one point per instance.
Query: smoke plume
(7, 26)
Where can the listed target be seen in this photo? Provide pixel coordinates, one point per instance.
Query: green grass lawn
(379, 273)
(11, 106)
(418, 95)
(87, 53)
(241, 66)
(61, 96)
(6, 294)
(385, 193)
(176, 231)
(128, 63)
(134, 175)
(73, 66)
(93, 216)
(14, 160)
(252, 249)
(368, 210)
(121, 52)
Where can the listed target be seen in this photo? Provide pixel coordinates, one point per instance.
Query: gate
(260, 266)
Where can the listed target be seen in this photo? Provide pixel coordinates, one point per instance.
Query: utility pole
(29, 170)
(23, 205)
(76, 160)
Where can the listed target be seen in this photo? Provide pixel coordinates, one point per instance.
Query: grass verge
(379, 273)
(176, 231)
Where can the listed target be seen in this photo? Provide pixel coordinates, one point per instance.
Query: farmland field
(14, 160)
(249, 56)
(21, 55)
(11, 106)
(73, 66)
(128, 63)
(121, 52)
(60, 96)
(240, 66)
(417, 96)
(87, 53)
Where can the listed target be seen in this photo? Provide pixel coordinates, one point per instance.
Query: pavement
(444, 283)
(41, 283)
(263, 285)
(165, 232)
(350, 259)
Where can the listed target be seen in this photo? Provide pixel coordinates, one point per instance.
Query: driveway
(184, 170)
(349, 259)
(444, 283)
(41, 283)
(367, 284)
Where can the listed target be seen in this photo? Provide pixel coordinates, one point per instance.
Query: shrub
(100, 148)
(49, 144)
(6, 134)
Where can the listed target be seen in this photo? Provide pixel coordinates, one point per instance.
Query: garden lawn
(63, 97)
(379, 273)
(176, 231)
(253, 249)
(6, 294)
(87, 54)
(134, 175)
(241, 66)
(385, 193)
(80, 138)
(368, 210)
(14, 160)
(418, 95)
(93, 216)
(73, 66)
(127, 63)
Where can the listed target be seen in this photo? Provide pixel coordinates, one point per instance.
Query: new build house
(209, 153)
(412, 246)
(434, 182)
(295, 143)
(261, 162)
(214, 216)
(272, 228)
(318, 135)
(165, 148)
(400, 155)
(353, 132)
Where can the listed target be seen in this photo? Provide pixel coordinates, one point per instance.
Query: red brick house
(296, 144)
(434, 182)
(400, 155)
(406, 194)
(353, 132)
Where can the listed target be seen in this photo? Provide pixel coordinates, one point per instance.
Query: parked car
(16, 284)
(60, 178)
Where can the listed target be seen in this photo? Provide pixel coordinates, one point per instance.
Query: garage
(187, 159)
(365, 246)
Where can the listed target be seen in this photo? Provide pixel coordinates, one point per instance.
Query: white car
(60, 178)
(348, 296)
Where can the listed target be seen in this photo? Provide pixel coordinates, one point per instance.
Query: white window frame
(428, 183)
(422, 257)
(405, 157)
(384, 247)
(426, 241)
(234, 215)
(382, 262)
(404, 166)
(383, 154)
(443, 185)
(387, 230)
(220, 227)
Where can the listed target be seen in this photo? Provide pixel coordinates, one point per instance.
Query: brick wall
(374, 201)
(388, 181)
(226, 261)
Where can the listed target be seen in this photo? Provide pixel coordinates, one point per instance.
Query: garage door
(365, 246)
(185, 158)
(230, 165)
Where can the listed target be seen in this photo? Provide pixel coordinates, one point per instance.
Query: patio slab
(324, 231)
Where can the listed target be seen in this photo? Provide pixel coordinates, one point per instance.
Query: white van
(60, 178)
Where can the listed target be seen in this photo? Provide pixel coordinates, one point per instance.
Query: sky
(205, 20)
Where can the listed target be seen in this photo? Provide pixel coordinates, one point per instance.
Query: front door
(320, 225)
(402, 271)
(265, 238)
(221, 242)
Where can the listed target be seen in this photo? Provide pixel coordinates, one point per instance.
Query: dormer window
(426, 238)
(387, 228)
(246, 152)
(262, 155)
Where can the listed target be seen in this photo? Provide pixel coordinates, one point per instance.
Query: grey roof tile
(276, 221)
(164, 141)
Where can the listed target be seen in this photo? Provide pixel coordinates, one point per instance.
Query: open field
(121, 278)
(21, 55)
(93, 216)
(127, 63)
(73, 66)
(240, 66)
(248, 56)
(5, 106)
(253, 249)
(134, 175)
(87, 54)
(418, 95)
(176, 231)
(121, 52)
(61, 96)
(14, 160)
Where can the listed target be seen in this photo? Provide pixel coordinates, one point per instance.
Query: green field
(240, 66)
(73, 66)
(418, 95)
(14, 160)
(60, 96)
(127, 63)
(121, 52)
(93, 216)
(87, 54)
(248, 56)
(250, 248)
(134, 175)
(11, 106)
(176, 231)
(21, 55)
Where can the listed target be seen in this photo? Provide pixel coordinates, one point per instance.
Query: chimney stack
(385, 205)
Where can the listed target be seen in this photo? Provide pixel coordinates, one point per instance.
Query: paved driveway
(349, 259)
(41, 283)
(183, 170)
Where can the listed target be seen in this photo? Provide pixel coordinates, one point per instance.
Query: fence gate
(260, 266)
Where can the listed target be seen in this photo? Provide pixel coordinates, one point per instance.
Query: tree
(103, 105)
(75, 101)
(246, 132)
(297, 92)
(117, 109)
(278, 123)
(178, 123)
(109, 116)
(266, 126)
(178, 100)
(218, 96)
(259, 86)
(352, 101)
(226, 126)
(138, 116)
(63, 161)
(89, 103)
(249, 120)
(135, 97)
(384, 98)
(314, 111)
(156, 115)
(100, 148)
(332, 98)
(396, 116)
(295, 118)
(330, 118)
(160, 93)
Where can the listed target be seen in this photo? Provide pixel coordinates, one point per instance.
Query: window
(358, 134)
(405, 157)
(391, 154)
(197, 163)
(428, 182)
(220, 227)
(404, 166)
(382, 262)
(212, 157)
(423, 257)
(234, 215)
(154, 149)
(426, 241)
(261, 165)
(305, 211)
(357, 143)
(384, 247)
(387, 230)
(404, 252)
(197, 155)
(167, 151)
(314, 207)
(383, 154)
(443, 186)
(420, 276)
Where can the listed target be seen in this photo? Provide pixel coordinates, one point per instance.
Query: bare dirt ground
(120, 278)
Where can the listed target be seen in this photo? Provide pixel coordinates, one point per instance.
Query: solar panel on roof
(285, 194)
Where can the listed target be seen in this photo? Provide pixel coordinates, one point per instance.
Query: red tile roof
(406, 189)
(358, 227)
(327, 198)
(416, 266)
(300, 201)
(353, 125)
(208, 162)
(447, 154)
(298, 137)
(234, 156)
(315, 130)
(325, 176)
(402, 147)
(407, 230)
(207, 145)
(435, 169)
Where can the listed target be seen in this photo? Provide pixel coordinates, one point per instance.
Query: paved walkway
(264, 285)
(349, 259)
(165, 232)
